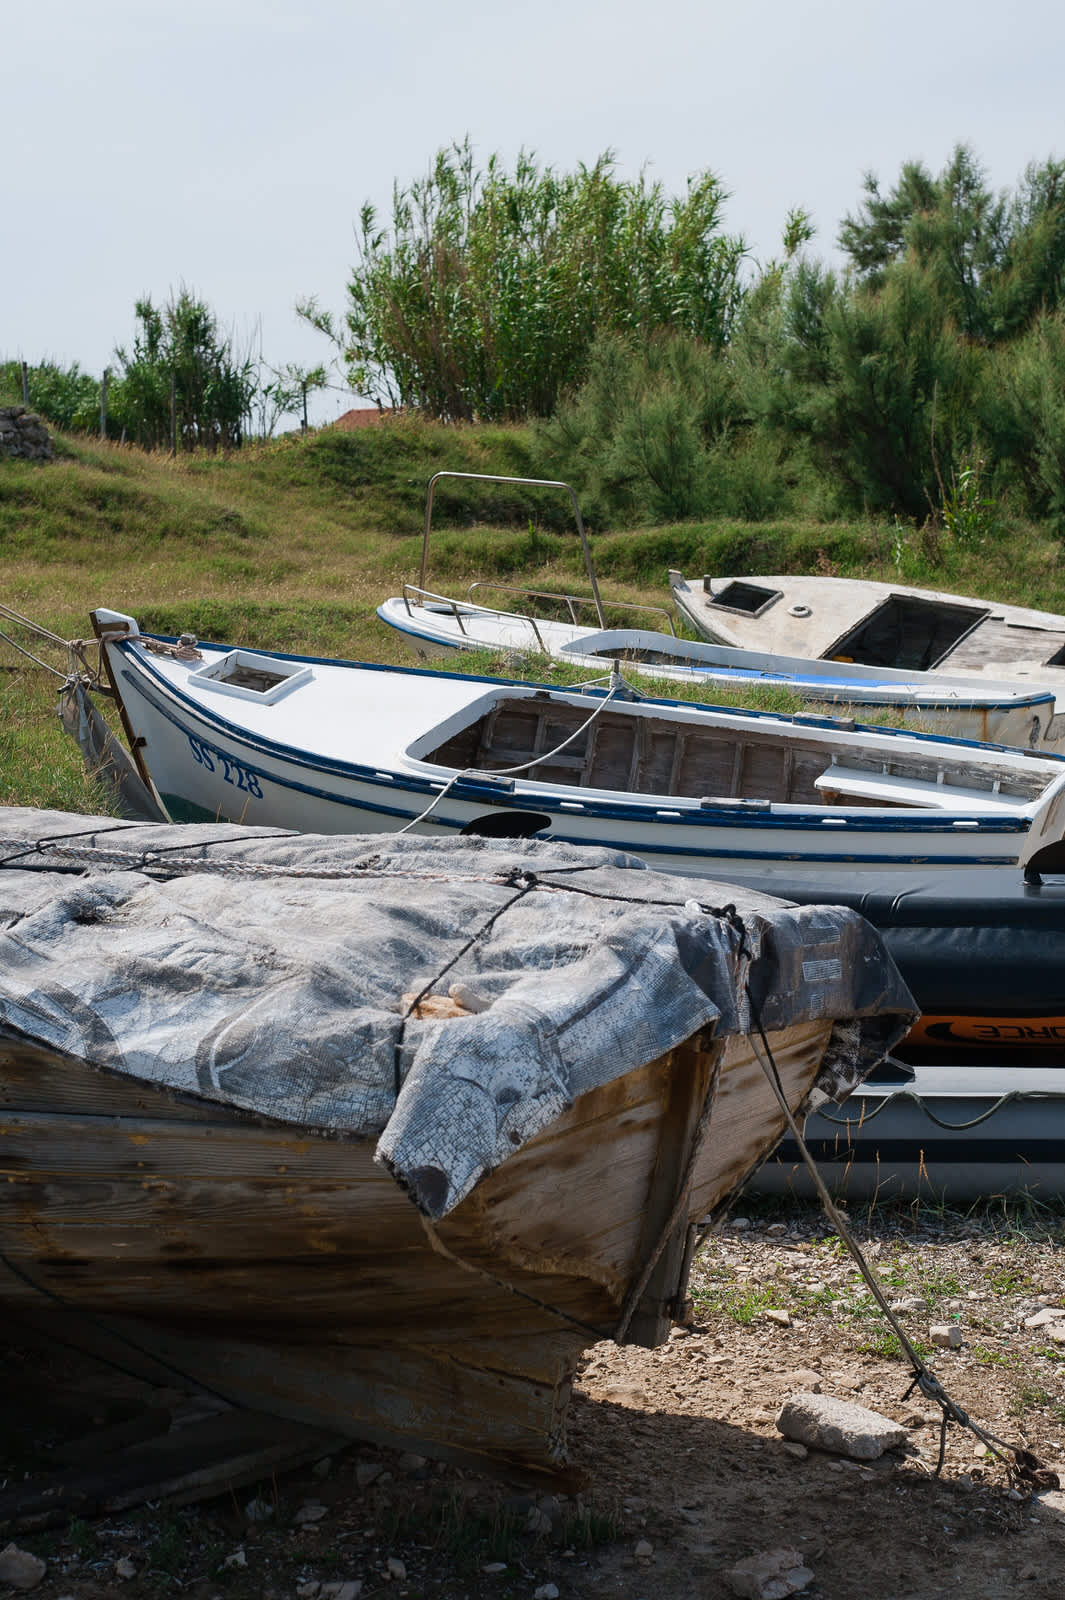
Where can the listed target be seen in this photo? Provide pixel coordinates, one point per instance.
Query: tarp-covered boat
(381, 1133)
(337, 747)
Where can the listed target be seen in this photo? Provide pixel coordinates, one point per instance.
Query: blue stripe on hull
(424, 788)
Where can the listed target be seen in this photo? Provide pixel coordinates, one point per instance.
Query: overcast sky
(228, 145)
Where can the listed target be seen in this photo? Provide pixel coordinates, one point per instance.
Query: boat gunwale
(799, 719)
(903, 695)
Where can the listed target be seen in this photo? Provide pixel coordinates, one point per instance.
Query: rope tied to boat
(617, 685)
(940, 1122)
(1021, 1465)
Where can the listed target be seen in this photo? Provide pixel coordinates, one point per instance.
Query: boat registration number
(232, 771)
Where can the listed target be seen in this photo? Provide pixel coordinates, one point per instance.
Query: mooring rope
(1018, 1461)
(537, 761)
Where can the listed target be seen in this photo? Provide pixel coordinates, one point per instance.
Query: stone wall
(22, 433)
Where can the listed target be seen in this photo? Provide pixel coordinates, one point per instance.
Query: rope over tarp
(276, 972)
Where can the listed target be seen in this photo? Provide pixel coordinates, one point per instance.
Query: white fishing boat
(434, 625)
(555, 626)
(852, 620)
(341, 747)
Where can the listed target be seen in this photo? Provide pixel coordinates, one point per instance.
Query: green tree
(483, 297)
(214, 386)
(997, 260)
(66, 396)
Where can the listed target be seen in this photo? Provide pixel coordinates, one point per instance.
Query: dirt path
(684, 1471)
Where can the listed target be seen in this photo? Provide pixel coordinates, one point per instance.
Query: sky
(227, 146)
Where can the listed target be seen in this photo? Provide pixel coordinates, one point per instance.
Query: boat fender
(508, 824)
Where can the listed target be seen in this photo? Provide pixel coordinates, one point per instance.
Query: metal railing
(443, 600)
(570, 601)
(524, 483)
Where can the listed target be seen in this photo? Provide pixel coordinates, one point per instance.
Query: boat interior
(639, 752)
(907, 632)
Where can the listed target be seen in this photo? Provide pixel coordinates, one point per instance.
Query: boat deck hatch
(908, 632)
(250, 676)
(750, 599)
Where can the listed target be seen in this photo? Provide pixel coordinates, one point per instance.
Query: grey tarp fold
(276, 972)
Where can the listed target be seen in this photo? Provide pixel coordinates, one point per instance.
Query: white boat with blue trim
(328, 746)
(433, 625)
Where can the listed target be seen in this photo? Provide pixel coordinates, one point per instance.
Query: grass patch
(291, 546)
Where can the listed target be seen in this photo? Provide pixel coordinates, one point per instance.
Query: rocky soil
(680, 1472)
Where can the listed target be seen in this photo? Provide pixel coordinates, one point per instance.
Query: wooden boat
(335, 747)
(433, 625)
(436, 625)
(847, 620)
(348, 1158)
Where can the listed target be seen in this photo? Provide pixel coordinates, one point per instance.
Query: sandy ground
(683, 1470)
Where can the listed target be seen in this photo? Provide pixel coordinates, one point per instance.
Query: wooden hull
(290, 1273)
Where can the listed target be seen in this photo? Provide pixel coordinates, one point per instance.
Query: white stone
(20, 1568)
(781, 1318)
(308, 1590)
(805, 1378)
(237, 1559)
(770, 1575)
(258, 1510)
(946, 1335)
(494, 1567)
(396, 1568)
(124, 1568)
(1048, 1314)
(1056, 1333)
(409, 1462)
(841, 1426)
(311, 1513)
(546, 1591)
(643, 1550)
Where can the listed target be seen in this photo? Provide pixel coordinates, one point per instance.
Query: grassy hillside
(292, 545)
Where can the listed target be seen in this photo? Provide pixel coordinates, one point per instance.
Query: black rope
(526, 882)
(1028, 1466)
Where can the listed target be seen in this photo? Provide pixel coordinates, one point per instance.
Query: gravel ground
(682, 1471)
